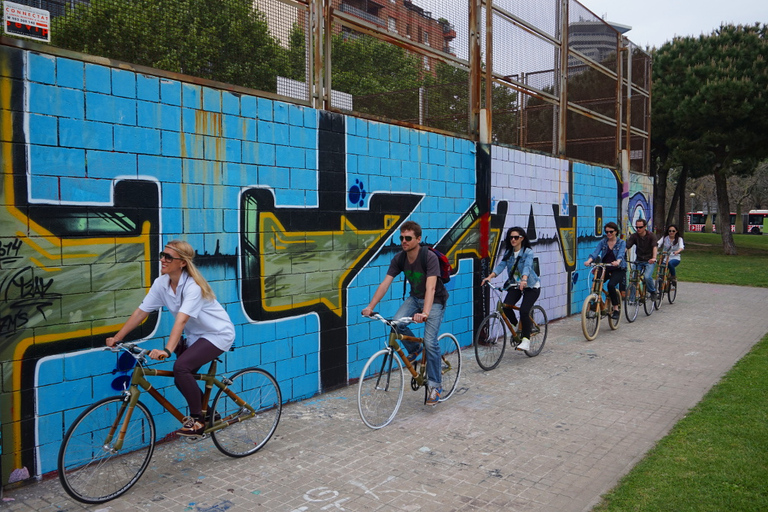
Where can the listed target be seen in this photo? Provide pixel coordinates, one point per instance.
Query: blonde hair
(187, 253)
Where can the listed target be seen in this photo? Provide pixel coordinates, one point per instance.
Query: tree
(227, 40)
(711, 107)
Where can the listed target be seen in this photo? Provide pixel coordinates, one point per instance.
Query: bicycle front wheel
(631, 303)
(590, 317)
(672, 293)
(450, 365)
(490, 341)
(94, 465)
(538, 330)
(380, 390)
(248, 430)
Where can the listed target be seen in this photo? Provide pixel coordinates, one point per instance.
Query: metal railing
(562, 80)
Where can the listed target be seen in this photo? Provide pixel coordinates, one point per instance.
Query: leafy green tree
(226, 40)
(710, 107)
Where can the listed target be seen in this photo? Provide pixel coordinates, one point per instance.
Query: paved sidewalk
(550, 433)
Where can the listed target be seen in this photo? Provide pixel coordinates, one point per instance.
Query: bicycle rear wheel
(648, 304)
(659, 293)
(672, 292)
(380, 390)
(538, 330)
(248, 431)
(490, 341)
(450, 367)
(91, 468)
(631, 303)
(590, 317)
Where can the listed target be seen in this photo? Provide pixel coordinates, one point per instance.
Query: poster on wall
(25, 21)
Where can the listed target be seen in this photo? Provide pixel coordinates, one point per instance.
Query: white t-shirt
(207, 318)
(665, 244)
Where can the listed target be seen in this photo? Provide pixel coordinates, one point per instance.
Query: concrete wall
(294, 213)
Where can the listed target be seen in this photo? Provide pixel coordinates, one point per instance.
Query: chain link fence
(425, 63)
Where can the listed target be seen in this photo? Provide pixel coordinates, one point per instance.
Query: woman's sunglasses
(672, 231)
(166, 256)
(610, 231)
(515, 237)
(406, 238)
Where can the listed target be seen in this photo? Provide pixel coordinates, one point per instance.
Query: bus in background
(755, 221)
(697, 221)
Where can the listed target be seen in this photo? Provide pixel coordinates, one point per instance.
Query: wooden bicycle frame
(597, 288)
(501, 306)
(139, 382)
(394, 345)
(663, 272)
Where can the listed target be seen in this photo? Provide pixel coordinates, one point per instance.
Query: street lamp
(690, 217)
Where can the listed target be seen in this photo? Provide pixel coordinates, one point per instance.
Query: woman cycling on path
(612, 250)
(209, 331)
(522, 281)
(672, 243)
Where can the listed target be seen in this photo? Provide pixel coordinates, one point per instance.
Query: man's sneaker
(413, 357)
(653, 296)
(434, 396)
(525, 344)
(615, 315)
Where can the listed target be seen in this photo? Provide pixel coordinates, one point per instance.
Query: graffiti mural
(294, 213)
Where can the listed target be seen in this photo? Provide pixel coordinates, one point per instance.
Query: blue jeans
(647, 270)
(410, 307)
(672, 265)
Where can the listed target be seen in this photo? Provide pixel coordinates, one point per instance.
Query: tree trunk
(659, 198)
(682, 217)
(724, 211)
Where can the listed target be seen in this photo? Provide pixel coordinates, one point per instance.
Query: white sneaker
(525, 344)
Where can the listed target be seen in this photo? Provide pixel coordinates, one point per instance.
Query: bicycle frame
(139, 382)
(598, 281)
(663, 271)
(501, 306)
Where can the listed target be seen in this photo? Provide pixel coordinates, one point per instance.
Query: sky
(655, 22)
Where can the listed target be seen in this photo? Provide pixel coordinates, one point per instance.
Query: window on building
(392, 24)
(426, 38)
(408, 30)
(426, 63)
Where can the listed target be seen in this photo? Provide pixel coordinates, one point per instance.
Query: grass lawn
(716, 458)
(703, 260)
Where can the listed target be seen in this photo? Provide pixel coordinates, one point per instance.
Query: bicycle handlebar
(393, 322)
(137, 352)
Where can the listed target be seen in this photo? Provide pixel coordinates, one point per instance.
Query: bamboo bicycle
(664, 282)
(382, 382)
(636, 294)
(109, 446)
(496, 329)
(597, 305)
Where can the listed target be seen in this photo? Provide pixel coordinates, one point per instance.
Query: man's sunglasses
(166, 256)
(406, 238)
(639, 227)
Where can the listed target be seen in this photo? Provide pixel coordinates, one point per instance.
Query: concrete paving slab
(550, 433)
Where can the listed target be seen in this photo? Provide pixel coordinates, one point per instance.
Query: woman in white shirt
(672, 243)
(183, 291)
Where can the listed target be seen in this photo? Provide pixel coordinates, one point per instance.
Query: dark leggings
(615, 278)
(189, 362)
(530, 296)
